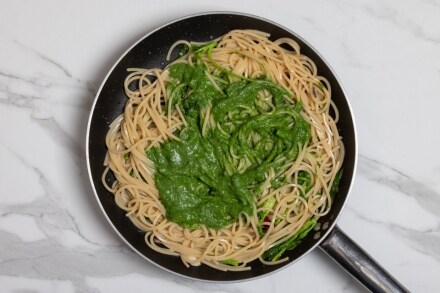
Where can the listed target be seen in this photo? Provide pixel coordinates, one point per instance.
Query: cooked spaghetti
(228, 155)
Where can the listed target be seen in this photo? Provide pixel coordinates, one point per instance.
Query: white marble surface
(54, 55)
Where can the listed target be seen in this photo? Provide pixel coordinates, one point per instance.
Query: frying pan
(150, 51)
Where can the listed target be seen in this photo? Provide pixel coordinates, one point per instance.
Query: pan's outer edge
(355, 147)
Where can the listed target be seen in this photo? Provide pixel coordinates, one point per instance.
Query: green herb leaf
(183, 50)
(230, 261)
(335, 186)
(267, 206)
(211, 179)
(204, 49)
(275, 253)
(305, 180)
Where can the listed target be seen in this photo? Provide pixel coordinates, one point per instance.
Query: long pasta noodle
(147, 123)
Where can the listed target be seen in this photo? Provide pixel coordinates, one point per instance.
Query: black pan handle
(359, 263)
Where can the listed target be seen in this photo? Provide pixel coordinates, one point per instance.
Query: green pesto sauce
(210, 179)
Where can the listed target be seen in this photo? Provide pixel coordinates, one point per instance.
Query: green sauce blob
(210, 179)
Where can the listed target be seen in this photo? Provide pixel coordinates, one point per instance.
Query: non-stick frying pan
(150, 52)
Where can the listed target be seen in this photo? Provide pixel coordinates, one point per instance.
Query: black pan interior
(150, 52)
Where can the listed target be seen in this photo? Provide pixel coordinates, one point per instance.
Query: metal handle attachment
(359, 263)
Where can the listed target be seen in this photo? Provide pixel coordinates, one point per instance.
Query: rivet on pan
(317, 227)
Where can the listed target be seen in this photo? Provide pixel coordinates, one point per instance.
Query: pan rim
(355, 147)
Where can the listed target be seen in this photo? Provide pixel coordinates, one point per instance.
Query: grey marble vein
(46, 82)
(46, 209)
(425, 242)
(47, 259)
(45, 58)
(428, 198)
(18, 100)
(394, 16)
(60, 136)
(46, 120)
(32, 81)
(20, 96)
(67, 79)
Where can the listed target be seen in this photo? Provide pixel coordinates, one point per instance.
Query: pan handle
(359, 263)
